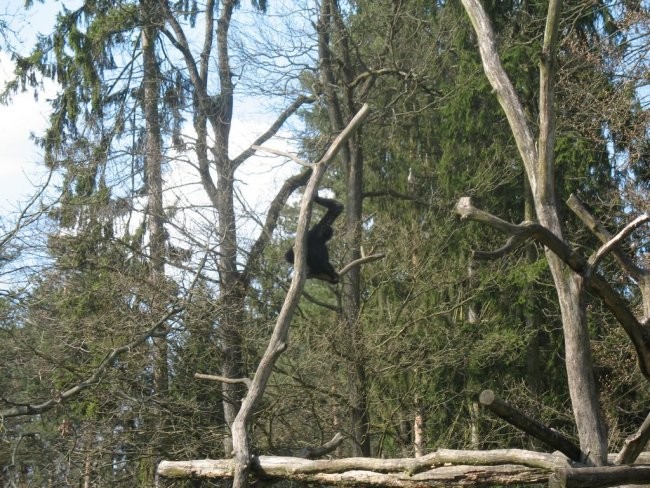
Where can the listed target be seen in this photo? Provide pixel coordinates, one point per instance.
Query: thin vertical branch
(503, 88)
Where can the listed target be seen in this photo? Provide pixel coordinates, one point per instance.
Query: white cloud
(20, 169)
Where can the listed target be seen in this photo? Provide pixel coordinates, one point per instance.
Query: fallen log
(270, 468)
(600, 477)
(440, 468)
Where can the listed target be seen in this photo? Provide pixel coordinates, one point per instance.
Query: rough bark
(444, 467)
(539, 169)
(409, 465)
(153, 143)
(438, 477)
(600, 477)
(153, 161)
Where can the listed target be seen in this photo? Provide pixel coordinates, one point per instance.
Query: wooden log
(531, 426)
(320, 451)
(277, 469)
(600, 477)
(444, 467)
(634, 444)
(281, 467)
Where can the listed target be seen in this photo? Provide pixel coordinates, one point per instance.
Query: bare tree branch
(321, 303)
(360, 261)
(93, 379)
(511, 245)
(223, 379)
(525, 230)
(543, 172)
(320, 451)
(373, 73)
(637, 331)
(275, 127)
(289, 186)
(616, 240)
(640, 274)
(602, 234)
(392, 193)
(634, 444)
(529, 425)
(207, 41)
(278, 152)
(279, 339)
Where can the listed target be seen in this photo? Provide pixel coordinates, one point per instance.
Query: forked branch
(278, 152)
(615, 241)
(637, 331)
(602, 234)
(634, 444)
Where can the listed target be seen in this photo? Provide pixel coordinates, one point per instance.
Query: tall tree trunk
(217, 112)
(155, 212)
(352, 159)
(231, 301)
(569, 285)
(153, 172)
(351, 303)
(232, 288)
(538, 161)
(153, 144)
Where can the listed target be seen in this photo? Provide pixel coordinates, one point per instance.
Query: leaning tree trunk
(539, 169)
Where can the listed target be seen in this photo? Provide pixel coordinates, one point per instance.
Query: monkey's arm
(334, 208)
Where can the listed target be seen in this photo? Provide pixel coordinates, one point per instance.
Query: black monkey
(318, 261)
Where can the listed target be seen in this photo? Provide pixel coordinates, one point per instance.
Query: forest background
(147, 258)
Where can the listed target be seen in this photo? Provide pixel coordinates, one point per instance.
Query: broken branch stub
(529, 425)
